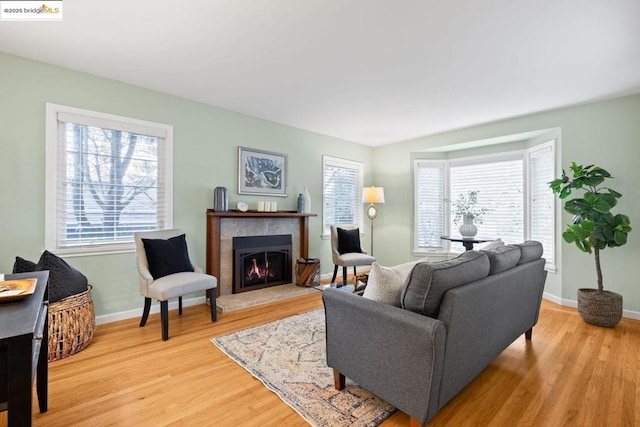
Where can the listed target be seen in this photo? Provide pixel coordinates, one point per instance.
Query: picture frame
(262, 173)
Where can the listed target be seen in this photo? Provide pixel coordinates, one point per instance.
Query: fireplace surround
(223, 226)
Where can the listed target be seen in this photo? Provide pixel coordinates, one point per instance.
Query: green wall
(606, 133)
(205, 156)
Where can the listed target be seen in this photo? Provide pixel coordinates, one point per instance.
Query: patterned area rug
(289, 357)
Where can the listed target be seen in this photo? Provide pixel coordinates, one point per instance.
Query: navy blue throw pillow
(349, 241)
(64, 280)
(167, 256)
(24, 266)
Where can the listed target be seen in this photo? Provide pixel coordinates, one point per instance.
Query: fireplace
(261, 261)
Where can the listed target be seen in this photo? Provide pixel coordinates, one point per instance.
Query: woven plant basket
(72, 321)
(600, 308)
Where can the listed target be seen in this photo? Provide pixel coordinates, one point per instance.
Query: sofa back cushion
(428, 282)
(530, 251)
(503, 258)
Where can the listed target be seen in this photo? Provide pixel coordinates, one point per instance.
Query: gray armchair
(349, 259)
(172, 285)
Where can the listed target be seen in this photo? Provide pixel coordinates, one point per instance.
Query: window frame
(55, 159)
(447, 164)
(551, 265)
(444, 166)
(351, 164)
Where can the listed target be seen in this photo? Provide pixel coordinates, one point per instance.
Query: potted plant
(465, 208)
(594, 228)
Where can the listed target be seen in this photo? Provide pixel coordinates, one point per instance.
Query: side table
(467, 242)
(24, 339)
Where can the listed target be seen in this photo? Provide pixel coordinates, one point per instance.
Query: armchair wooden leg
(415, 423)
(164, 314)
(211, 294)
(180, 306)
(338, 380)
(145, 311)
(335, 274)
(344, 276)
(527, 334)
(354, 271)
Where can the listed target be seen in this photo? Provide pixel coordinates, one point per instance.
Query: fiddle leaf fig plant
(594, 226)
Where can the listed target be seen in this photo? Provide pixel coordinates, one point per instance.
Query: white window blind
(541, 170)
(429, 204)
(513, 186)
(109, 177)
(500, 185)
(342, 182)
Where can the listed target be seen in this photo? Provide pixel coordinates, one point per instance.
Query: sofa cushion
(530, 251)
(428, 282)
(64, 280)
(503, 258)
(167, 256)
(348, 240)
(385, 283)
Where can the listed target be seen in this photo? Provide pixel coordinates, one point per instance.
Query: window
(342, 182)
(429, 196)
(541, 199)
(504, 197)
(107, 177)
(521, 205)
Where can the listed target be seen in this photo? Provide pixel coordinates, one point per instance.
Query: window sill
(435, 253)
(93, 251)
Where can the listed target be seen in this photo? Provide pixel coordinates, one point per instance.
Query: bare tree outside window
(112, 181)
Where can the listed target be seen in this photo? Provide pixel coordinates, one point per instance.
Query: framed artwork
(262, 173)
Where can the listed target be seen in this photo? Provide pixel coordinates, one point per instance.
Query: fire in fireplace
(261, 262)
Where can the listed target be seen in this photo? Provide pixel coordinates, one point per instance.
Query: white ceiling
(369, 71)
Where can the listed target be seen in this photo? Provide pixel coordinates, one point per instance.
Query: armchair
(169, 283)
(347, 258)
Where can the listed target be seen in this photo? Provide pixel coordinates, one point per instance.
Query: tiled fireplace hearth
(222, 227)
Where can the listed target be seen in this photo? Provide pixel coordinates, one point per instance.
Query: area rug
(289, 357)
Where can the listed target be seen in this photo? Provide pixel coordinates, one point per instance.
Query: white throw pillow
(491, 245)
(385, 283)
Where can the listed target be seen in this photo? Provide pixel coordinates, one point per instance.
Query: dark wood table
(467, 242)
(24, 340)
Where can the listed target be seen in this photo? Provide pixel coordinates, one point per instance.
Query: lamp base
(372, 212)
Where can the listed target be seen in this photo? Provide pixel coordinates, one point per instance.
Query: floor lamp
(372, 195)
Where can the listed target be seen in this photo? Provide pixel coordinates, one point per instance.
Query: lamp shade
(373, 195)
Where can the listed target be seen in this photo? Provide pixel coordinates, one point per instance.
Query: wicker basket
(600, 308)
(72, 321)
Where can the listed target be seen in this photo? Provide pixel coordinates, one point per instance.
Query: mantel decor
(262, 172)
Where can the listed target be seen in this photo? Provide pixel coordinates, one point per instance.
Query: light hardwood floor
(571, 373)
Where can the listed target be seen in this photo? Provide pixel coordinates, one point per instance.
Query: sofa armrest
(393, 353)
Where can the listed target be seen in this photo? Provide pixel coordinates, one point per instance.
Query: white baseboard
(631, 314)
(155, 308)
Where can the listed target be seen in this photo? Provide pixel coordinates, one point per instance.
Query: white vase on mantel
(307, 201)
(468, 229)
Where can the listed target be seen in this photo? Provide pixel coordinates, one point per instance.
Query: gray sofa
(456, 317)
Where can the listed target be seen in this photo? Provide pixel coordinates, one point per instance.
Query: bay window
(513, 187)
